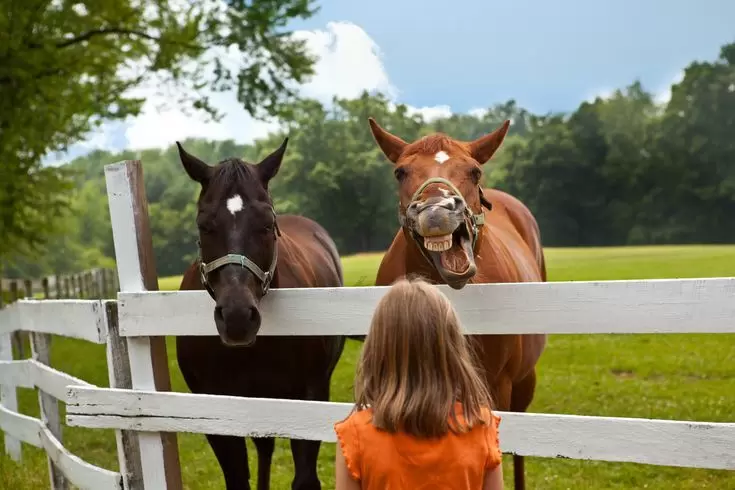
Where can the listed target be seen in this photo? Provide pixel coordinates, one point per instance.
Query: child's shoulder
(354, 420)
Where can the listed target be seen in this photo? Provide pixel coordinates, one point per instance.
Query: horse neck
(502, 257)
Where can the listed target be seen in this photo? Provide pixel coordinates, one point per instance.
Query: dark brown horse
(245, 249)
(453, 231)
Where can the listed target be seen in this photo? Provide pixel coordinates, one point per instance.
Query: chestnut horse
(245, 249)
(453, 231)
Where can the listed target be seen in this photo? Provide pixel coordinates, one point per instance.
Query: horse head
(237, 239)
(440, 195)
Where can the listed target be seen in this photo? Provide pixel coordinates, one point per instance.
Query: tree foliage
(66, 66)
(618, 170)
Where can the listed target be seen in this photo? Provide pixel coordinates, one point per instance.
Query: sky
(441, 57)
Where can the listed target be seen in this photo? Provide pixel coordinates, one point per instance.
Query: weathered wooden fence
(82, 319)
(97, 283)
(147, 419)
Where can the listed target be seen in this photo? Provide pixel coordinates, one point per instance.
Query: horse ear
(268, 167)
(197, 169)
(485, 146)
(391, 145)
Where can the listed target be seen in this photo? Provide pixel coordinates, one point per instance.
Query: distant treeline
(619, 170)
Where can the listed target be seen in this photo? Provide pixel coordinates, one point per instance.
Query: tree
(67, 66)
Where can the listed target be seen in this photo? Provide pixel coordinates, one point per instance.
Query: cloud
(663, 95)
(349, 61)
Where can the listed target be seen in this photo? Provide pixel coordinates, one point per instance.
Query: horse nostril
(456, 202)
(254, 315)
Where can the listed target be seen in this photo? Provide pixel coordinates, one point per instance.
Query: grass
(682, 377)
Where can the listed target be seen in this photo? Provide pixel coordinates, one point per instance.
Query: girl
(422, 416)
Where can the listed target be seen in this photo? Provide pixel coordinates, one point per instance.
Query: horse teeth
(438, 244)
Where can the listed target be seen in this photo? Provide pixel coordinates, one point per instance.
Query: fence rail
(96, 283)
(83, 319)
(147, 416)
(632, 440)
(601, 307)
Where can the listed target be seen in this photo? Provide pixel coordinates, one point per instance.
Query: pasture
(685, 377)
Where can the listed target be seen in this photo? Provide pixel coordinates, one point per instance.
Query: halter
(473, 221)
(265, 277)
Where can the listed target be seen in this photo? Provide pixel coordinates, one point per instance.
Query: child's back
(422, 416)
(381, 460)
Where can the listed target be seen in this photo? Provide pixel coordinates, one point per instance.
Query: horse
(244, 249)
(453, 231)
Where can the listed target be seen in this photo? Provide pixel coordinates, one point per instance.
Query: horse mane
(230, 174)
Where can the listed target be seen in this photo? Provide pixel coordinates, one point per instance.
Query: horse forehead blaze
(436, 155)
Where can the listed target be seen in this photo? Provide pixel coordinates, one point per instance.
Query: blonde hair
(416, 364)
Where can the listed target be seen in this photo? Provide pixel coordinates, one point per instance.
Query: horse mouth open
(452, 255)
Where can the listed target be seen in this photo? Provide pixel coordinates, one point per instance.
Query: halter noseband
(474, 221)
(265, 277)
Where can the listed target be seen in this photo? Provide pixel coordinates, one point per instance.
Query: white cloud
(663, 95)
(431, 113)
(349, 61)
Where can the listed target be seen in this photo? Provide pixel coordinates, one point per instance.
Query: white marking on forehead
(445, 192)
(441, 157)
(234, 204)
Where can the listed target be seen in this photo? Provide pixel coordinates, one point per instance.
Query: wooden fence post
(17, 336)
(46, 292)
(9, 394)
(57, 286)
(136, 271)
(41, 351)
(118, 369)
(104, 280)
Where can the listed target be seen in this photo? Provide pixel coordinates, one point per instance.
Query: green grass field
(683, 377)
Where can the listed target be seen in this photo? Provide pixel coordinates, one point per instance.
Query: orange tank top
(385, 461)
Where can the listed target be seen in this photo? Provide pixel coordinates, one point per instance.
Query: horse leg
(306, 453)
(232, 455)
(265, 447)
(520, 400)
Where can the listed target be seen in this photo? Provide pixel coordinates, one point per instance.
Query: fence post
(105, 284)
(57, 286)
(17, 336)
(44, 285)
(118, 369)
(9, 394)
(136, 271)
(41, 352)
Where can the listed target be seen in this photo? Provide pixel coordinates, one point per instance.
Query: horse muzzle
(237, 326)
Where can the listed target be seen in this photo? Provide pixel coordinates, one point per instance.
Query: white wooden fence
(81, 319)
(138, 405)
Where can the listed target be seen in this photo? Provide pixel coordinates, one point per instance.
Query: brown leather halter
(472, 221)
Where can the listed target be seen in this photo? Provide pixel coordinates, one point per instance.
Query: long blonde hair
(416, 365)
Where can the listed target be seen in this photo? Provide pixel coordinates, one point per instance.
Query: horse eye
(475, 174)
(400, 173)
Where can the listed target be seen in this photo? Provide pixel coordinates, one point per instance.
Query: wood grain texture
(148, 360)
(74, 469)
(21, 427)
(646, 441)
(650, 306)
(81, 319)
(8, 391)
(49, 406)
(29, 373)
(118, 369)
